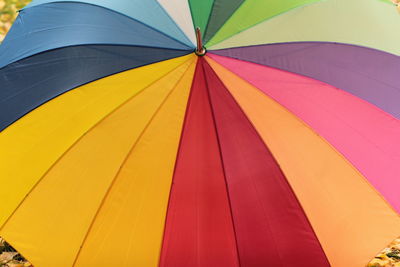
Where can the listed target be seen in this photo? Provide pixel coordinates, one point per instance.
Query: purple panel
(367, 73)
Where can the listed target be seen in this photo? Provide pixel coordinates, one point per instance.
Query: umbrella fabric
(357, 70)
(279, 147)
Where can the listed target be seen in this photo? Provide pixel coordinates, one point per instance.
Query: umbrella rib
(209, 17)
(176, 162)
(10, 122)
(125, 160)
(222, 162)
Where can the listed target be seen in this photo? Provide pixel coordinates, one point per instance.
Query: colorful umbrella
(119, 146)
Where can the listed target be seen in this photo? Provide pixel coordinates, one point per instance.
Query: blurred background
(8, 13)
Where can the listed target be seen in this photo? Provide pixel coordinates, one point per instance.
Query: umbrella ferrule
(200, 49)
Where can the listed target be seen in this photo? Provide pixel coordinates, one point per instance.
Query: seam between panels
(192, 16)
(277, 43)
(222, 162)
(76, 141)
(276, 55)
(178, 152)
(114, 11)
(264, 20)
(269, 228)
(85, 83)
(268, 65)
(89, 45)
(226, 21)
(277, 163)
(123, 163)
(347, 162)
(208, 19)
(306, 42)
(16, 59)
(173, 20)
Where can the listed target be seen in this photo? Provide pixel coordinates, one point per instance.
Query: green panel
(221, 12)
(253, 12)
(201, 10)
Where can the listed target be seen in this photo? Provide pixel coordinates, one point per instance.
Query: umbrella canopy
(278, 147)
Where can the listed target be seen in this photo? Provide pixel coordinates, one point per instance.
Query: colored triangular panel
(252, 12)
(64, 203)
(201, 11)
(199, 230)
(179, 11)
(222, 10)
(269, 221)
(351, 220)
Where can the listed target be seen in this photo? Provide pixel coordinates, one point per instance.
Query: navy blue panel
(28, 83)
(55, 25)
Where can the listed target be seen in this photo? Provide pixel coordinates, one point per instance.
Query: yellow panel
(129, 228)
(31, 145)
(50, 225)
(351, 220)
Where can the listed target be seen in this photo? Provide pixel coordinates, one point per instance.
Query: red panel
(199, 230)
(271, 227)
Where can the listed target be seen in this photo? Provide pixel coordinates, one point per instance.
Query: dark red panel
(271, 227)
(199, 230)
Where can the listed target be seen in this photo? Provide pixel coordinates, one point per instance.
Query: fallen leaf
(7, 256)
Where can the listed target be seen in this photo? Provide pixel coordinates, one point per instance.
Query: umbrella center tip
(200, 52)
(200, 49)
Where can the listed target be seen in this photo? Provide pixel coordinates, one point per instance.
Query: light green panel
(387, 1)
(369, 23)
(252, 12)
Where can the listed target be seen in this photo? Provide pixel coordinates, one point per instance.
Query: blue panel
(56, 25)
(28, 83)
(147, 11)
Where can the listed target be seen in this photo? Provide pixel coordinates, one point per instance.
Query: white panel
(179, 11)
